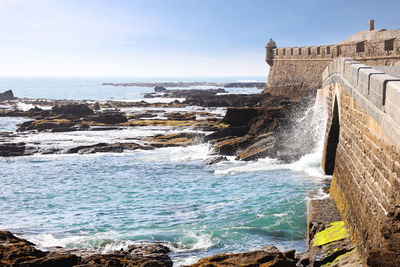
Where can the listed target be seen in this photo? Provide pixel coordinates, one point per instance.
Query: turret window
(360, 47)
(389, 45)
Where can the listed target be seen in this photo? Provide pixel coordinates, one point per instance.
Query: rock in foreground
(15, 251)
(267, 256)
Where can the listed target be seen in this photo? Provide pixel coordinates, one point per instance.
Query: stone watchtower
(270, 52)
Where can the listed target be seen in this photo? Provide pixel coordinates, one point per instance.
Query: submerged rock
(215, 160)
(104, 147)
(267, 256)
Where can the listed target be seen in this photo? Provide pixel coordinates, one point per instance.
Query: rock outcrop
(12, 149)
(78, 110)
(270, 131)
(7, 95)
(172, 140)
(15, 251)
(267, 256)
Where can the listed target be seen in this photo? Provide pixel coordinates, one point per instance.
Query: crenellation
(296, 71)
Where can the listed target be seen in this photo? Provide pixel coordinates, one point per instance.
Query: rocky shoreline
(254, 126)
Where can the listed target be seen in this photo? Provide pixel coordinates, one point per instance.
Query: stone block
(377, 89)
(364, 79)
(341, 64)
(326, 73)
(354, 73)
(392, 103)
(347, 69)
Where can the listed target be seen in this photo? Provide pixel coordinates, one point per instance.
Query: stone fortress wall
(361, 88)
(362, 150)
(296, 71)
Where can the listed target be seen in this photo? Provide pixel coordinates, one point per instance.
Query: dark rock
(230, 131)
(15, 251)
(303, 259)
(259, 85)
(215, 160)
(149, 95)
(7, 95)
(48, 124)
(184, 93)
(230, 147)
(19, 252)
(267, 256)
(172, 140)
(160, 89)
(109, 117)
(228, 100)
(12, 149)
(79, 110)
(104, 147)
(180, 116)
(240, 116)
(259, 149)
(96, 106)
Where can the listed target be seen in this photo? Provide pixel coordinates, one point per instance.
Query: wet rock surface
(15, 251)
(328, 237)
(19, 252)
(172, 140)
(12, 149)
(267, 256)
(215, 160)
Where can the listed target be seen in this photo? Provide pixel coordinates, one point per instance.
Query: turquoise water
(107, 201)
(102, 200)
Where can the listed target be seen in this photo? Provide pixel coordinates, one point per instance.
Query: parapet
(368, 45)
(379, 86)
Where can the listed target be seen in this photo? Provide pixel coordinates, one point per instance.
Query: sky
(171, 38)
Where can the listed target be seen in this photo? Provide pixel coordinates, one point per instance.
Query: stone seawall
(362, 150)
(296, 71)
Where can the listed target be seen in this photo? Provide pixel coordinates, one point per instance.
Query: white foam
(174, 154)
(186, 261)
(24, 107)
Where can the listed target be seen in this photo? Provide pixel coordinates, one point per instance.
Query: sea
(107, 201)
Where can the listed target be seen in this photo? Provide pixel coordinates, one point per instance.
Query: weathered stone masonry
(296, 71)
(364, 109)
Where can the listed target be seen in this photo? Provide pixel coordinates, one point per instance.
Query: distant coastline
(251, 84)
